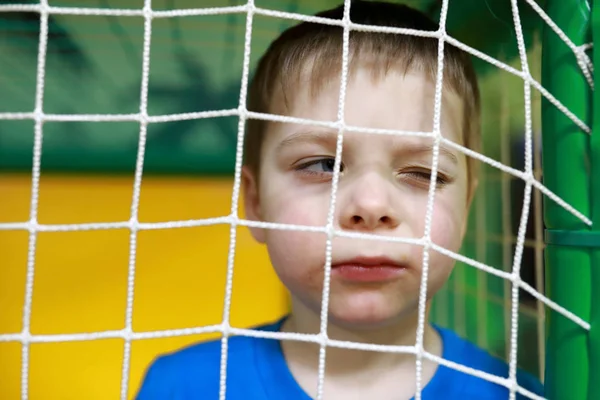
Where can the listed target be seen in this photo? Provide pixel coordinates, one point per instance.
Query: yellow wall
(81, 278)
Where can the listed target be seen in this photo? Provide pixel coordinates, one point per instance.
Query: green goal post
(571, 169)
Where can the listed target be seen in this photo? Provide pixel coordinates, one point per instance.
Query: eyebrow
(329, 139)
(320, 137)
(443, 151)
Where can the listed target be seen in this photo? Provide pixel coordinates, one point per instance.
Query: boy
(383, 190)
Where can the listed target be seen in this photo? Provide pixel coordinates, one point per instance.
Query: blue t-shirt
(257, 370)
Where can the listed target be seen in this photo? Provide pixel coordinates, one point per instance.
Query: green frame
(572, 251)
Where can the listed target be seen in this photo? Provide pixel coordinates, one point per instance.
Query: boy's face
(383, 190)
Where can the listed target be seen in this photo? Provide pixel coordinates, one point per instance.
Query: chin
(367, 317)
(368, 323)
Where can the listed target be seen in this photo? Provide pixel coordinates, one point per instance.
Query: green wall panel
(94, 67)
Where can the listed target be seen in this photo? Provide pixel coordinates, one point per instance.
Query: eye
(319, 166)
(423, 177)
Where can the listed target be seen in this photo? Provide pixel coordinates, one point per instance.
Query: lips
(368, 269)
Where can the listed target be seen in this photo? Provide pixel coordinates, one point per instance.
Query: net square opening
(79, 285)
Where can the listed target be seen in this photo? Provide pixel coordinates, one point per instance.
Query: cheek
(449, 217)
(446, 230)
(286, 203)
(297, 258)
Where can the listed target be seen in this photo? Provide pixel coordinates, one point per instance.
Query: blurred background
(94, 67)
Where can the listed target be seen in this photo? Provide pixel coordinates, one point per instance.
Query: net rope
(233, 220)
(516, 268)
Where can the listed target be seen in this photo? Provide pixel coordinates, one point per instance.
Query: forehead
(396, 101)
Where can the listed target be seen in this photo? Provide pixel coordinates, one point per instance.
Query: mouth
(368, 269)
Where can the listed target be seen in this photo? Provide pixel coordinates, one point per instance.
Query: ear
(472, 189)
(252, 202)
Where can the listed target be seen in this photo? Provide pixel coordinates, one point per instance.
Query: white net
(512, 278)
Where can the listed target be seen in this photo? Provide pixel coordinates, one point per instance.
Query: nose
(369, 205)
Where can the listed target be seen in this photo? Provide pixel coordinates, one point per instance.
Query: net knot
(147, 11)
(38, 116)
(144, 119)
(322, 339)
(226, 329)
